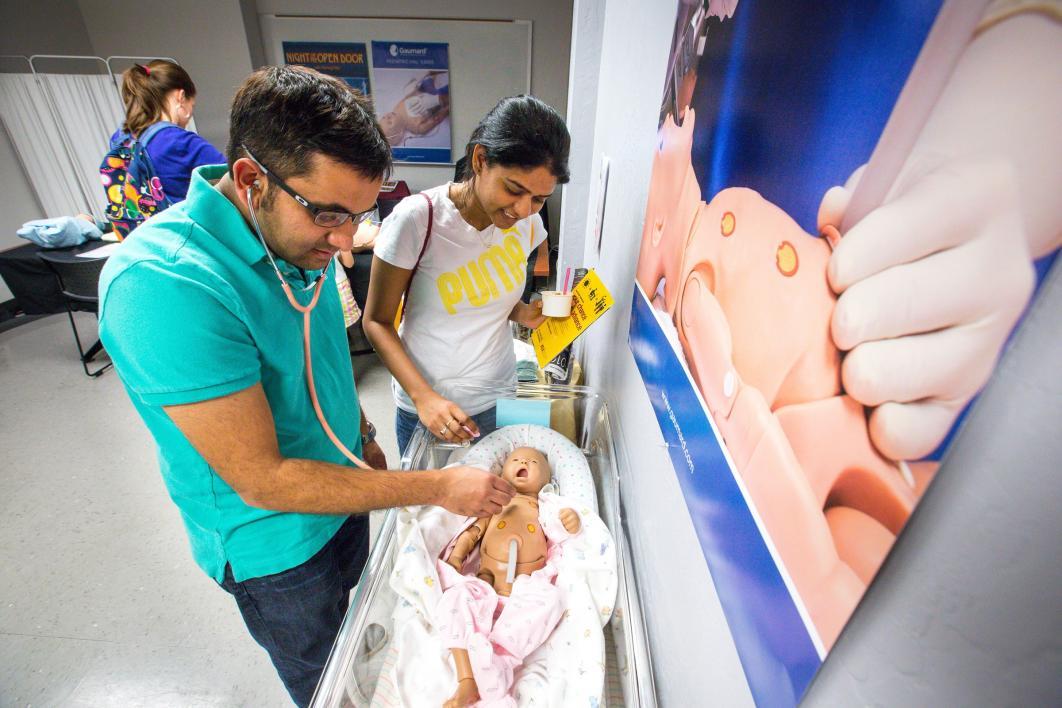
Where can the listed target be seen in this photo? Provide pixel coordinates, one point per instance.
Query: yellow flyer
(590, 300)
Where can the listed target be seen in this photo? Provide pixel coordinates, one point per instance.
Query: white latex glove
(930, 285)
(421, 104)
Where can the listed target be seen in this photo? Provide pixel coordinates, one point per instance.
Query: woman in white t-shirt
(465, 281)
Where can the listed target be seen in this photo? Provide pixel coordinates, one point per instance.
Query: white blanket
(569, 669)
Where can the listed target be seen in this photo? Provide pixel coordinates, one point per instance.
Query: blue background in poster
(420, 154)
(410, 55)
(776, 651)
(355, 73)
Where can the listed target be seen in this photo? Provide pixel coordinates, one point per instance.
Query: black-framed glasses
(327, 218)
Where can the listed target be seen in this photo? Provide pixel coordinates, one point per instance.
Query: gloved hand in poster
(932, 282)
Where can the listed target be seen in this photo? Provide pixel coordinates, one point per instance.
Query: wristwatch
(368, 437)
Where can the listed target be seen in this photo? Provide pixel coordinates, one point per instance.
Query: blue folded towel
(60, 232)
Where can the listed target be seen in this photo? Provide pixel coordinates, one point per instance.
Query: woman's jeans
(407, 423)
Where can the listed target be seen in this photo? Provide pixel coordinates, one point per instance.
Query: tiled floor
(100, 601)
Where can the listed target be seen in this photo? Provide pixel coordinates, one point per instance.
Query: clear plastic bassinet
(350, 677)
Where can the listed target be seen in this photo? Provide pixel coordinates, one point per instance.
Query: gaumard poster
(344, 60)
(806, 371)
(412, 81)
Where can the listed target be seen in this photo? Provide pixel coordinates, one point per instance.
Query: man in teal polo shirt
(211, 353)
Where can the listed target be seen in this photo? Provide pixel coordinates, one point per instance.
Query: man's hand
(569, 518)
(469, 491)
(374, 456)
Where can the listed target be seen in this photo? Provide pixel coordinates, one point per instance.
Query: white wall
(694, 658)
(550, 49)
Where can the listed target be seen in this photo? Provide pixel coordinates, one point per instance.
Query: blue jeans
(407, 423)
(295, 615)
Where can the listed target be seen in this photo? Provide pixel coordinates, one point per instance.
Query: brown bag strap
(427, 237)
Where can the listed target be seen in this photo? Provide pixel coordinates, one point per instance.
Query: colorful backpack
(133, 188)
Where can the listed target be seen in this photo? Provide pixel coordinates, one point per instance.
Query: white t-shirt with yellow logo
(456, 322)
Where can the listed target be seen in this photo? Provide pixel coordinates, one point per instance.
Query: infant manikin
(746, 289)
(502, 619)
(419, 111)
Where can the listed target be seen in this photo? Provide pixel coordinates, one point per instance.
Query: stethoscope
(305, 310)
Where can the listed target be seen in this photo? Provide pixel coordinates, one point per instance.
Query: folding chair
(79, 280)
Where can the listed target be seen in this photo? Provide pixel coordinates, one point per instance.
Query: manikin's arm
(467, 541)
(569, 518)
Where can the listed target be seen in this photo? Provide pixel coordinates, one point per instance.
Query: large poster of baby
(412, 81)
(826, 280)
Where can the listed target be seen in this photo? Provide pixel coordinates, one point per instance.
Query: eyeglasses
(322, 217)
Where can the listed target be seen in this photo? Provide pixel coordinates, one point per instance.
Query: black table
(32, 284)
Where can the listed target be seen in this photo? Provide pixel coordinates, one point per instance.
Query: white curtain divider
(39, 145)
(89, 112)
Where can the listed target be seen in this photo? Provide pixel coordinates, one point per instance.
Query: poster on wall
(807, 368)
(343, 60)
(412, 82)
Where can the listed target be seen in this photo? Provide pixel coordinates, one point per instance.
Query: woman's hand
(445, 420)
(529, 316)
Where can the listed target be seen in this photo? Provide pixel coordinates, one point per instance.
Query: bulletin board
(489, 60)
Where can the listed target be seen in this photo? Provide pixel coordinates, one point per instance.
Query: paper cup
(556, 304)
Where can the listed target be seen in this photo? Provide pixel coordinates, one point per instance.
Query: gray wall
(205, 36)
(694, 659)
(44, 27)
(550, 49)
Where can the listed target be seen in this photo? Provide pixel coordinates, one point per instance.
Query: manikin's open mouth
(521, 473)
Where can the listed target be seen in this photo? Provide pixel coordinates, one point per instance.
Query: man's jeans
(295, 615)
(406, 424)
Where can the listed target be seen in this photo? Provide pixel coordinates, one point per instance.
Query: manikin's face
(527, 470)
(288, 227)
(509, 194)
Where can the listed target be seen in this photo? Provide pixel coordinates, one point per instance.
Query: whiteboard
(489, 60)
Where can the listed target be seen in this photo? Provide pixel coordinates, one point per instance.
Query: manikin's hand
(569, 518)
(469, 491)
(445, 420)
(373, 455)
(930, 285)
(420, 104)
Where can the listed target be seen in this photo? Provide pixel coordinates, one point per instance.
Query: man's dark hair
(522, 131)
(286, 114)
